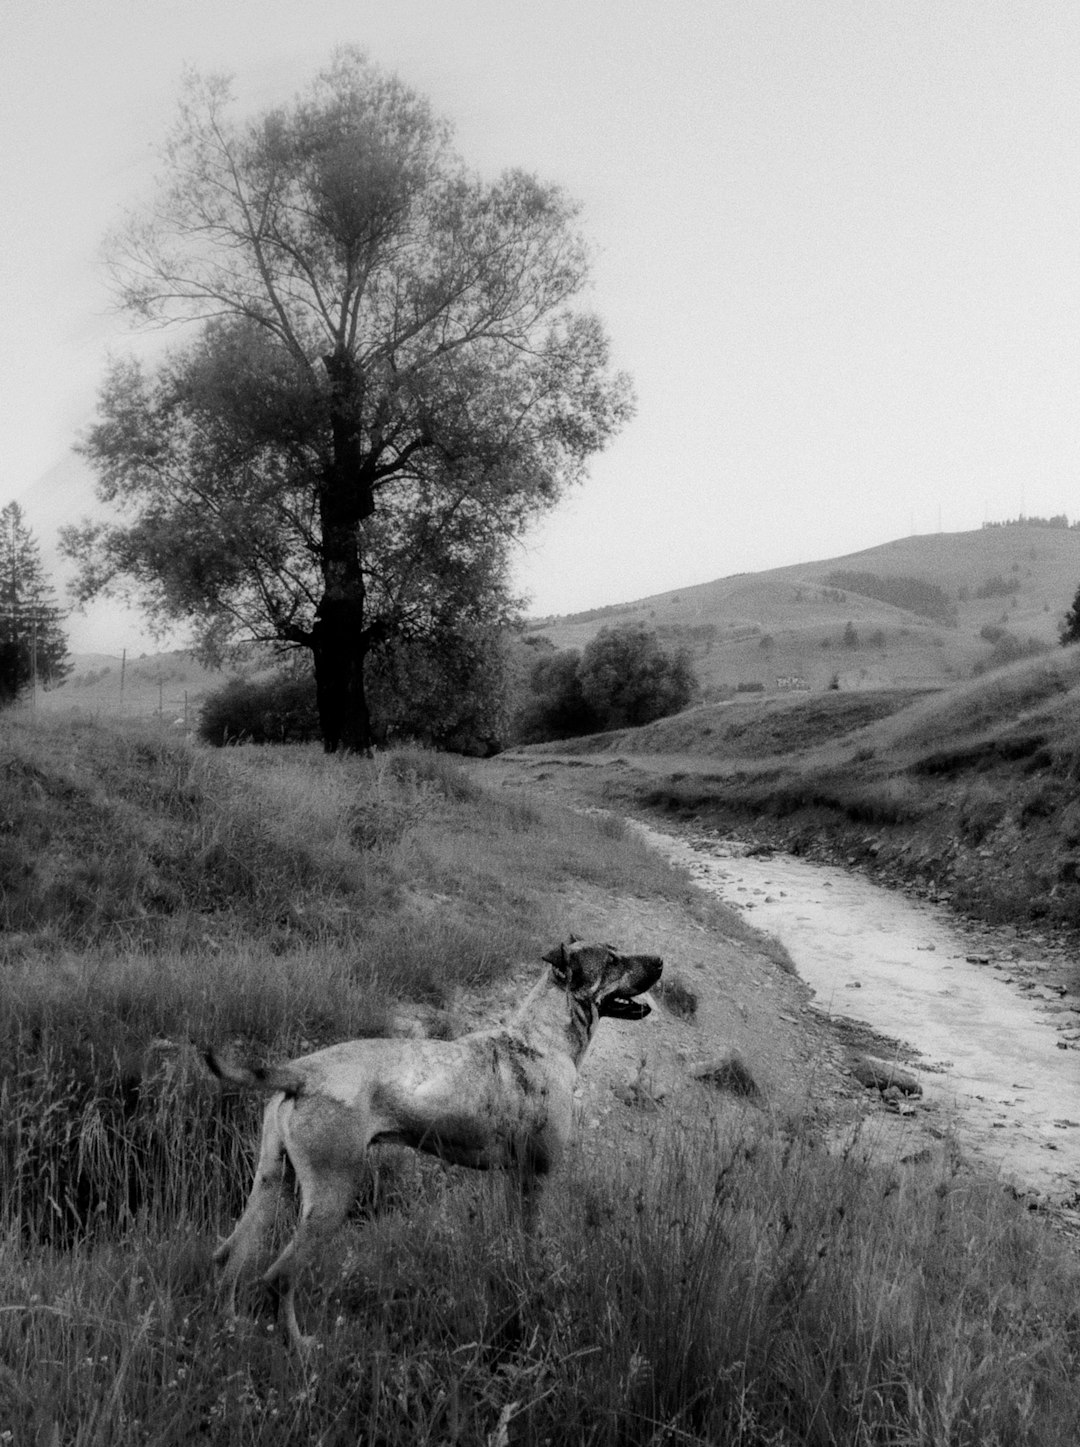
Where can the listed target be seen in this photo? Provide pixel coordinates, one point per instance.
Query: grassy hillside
(731, 1282)
(789, 623)
(972, 790)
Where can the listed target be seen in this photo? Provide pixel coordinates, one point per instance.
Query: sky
(837, 246)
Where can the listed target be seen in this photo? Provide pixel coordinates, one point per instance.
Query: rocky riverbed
(980, 1017)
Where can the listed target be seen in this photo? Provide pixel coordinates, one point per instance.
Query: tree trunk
(341, 638)
(339, 643)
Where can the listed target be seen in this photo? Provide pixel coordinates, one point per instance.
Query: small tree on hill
(1070, 629)
(555, 706)
(33, 647)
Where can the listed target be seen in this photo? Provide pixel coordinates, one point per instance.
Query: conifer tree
(33, 647)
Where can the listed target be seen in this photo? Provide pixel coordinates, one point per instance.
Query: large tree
(33, 647)
(388, 381)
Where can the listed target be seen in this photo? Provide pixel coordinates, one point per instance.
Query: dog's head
(603, 977)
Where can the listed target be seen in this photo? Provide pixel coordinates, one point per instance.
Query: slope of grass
(974, 790)
(752, 730)
(738, 1285)
(156, 897)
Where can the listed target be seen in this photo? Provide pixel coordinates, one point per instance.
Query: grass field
(730, 1283)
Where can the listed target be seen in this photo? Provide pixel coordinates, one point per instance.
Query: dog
(499, 1098)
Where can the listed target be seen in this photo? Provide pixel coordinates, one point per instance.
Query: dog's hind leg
(325, 1203)
(234, 1253)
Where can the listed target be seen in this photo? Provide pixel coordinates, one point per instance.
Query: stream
(998, 1040)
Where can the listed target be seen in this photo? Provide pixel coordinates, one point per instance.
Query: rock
(884, 1076)
(729, 1073)
(895, 1100)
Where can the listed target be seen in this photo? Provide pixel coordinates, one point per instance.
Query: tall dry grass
(745, 1288)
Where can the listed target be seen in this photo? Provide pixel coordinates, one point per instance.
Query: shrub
(277, 710)
(997, 587)
(1009, 649)
(555, 707)
(1070, 628)
(628, 679)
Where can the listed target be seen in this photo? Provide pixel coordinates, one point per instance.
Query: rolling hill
(787, 627)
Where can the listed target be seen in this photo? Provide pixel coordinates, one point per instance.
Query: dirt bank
(881, 976)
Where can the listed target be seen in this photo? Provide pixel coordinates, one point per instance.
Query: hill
(787, 627)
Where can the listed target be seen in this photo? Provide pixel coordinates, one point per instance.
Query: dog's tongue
(621, 1007)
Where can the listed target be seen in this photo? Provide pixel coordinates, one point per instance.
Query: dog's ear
(557, 959)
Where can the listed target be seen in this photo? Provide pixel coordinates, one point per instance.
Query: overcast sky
(838, 244)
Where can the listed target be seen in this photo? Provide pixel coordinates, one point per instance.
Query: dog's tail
(227, 1066)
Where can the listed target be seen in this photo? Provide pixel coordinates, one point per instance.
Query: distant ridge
(786, 627)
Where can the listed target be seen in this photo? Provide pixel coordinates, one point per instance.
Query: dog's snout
(649, 970)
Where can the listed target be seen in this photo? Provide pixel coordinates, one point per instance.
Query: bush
(1070, 628)
(1008, 649)
(555, 707)
(997, 587)
(277, 710)
(628, 679)
(624, 678)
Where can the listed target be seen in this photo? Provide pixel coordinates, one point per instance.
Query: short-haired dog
(495, 1098)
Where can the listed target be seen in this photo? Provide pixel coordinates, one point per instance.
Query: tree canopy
(628, 678)
(623, 678)
(387, 382)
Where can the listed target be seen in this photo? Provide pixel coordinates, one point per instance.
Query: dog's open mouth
(624, 1007)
